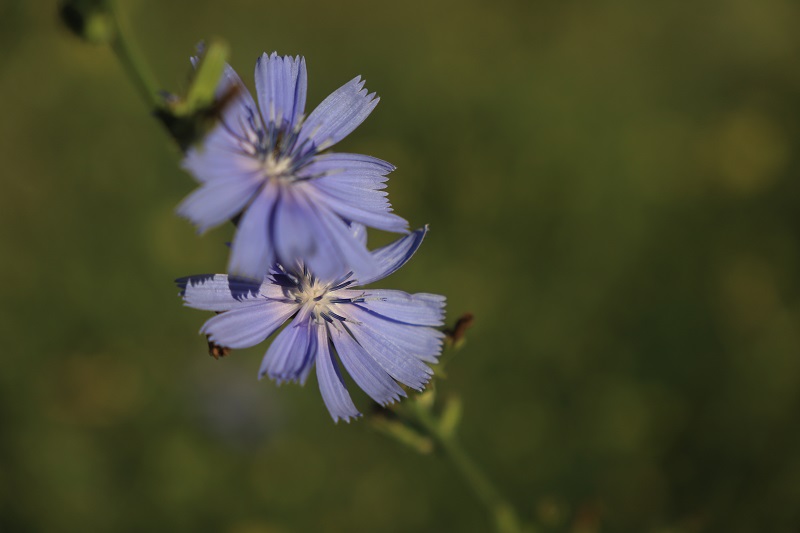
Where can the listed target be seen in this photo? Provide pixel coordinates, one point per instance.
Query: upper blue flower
(381, 336)
(267, 166)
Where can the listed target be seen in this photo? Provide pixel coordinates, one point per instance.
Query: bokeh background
(613, 191)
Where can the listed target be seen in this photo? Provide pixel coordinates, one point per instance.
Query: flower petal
(363, 368)
(333, 249)
(239, 115)
(393, 256)
(294, 233)
(359, 233)
(221, 156)
(359, 204)
(353, 253)
(421, 342)
(331, 385)
(419, 309)
(291, 353)
(238, 125)
(219, 200)
(387, 346)
(281, 88)
(247, 325)
(252, 250)
(216, 292)
(336, 163)
(337, 116)
(353, 182)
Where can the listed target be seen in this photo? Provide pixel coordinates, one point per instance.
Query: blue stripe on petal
(395, 359)
(251, 250)
(363, 368)
(248, 324)
(393, 256)
(420, 309)
(281, 89)
(331, 385)
(337, 115)
(290, 353)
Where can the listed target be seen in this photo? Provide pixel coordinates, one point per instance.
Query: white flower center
(315, 296)
(277, 168)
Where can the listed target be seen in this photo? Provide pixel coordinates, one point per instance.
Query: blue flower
(267, 167)
(382, 337)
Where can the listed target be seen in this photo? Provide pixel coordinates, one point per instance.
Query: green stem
(505, 518)
(132, 61)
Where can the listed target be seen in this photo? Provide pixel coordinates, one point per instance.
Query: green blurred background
(612, 189)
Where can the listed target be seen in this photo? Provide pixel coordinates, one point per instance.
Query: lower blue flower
(382, 337)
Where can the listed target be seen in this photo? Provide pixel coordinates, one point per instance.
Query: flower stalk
(128, 54)
(187, 119)
(417, 424)
(443, 433)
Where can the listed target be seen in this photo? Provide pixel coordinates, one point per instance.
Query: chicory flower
(265, 166)
(381, 337)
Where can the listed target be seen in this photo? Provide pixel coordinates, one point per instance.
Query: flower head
(382, 337)
(266, 165)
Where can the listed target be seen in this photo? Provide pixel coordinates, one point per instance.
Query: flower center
(277, 168)
(315, 296)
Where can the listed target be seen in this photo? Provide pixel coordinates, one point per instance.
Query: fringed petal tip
(281, 85)
(345, 418)
(338, 115)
